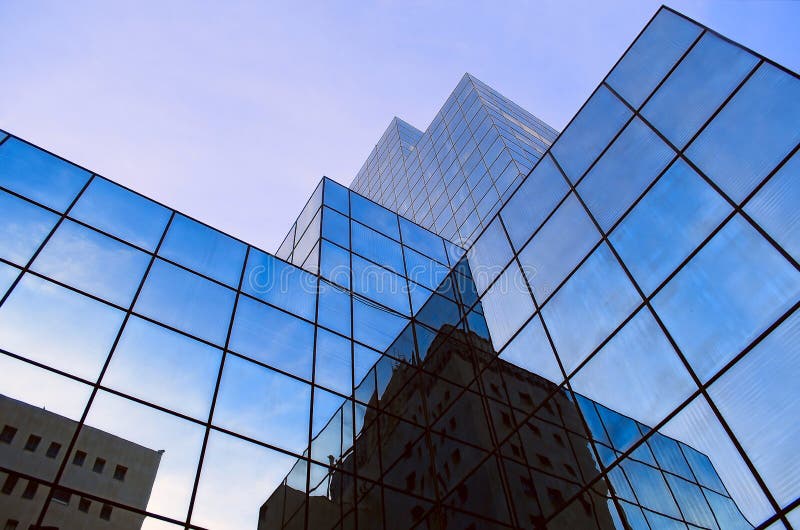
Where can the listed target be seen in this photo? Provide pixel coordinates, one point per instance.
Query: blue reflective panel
(263, 404)
(377, 248)
(489, 255)
(281, 284)
(697, 87)
(419, 295)
(186, 301)
(622, 431)
(531, 350)
(421, 240)
(380, 285)
(204, 250)
(454, 252)
(333, 362)
(758, 398)
(93, 263)
(273, 337)
(335, 195)
(589, 306)
(507, 305)
(726, 512)
(774, 207)
(335, 264)
(40, 176)
(8, 274)
(58, 327)
(378, 217)
(363, 360)
(533, 201)
(590, 132)
(647, 239)
(165, 368)
(326, 406)
(693, 505)
(734, 288)
(23, 227)
(336, 227)
(669, 456)
(656, 50)
(562, 242)
(650, 487)
(375, 326)
(635, 158)
(424, 270)
(752, 133)
(121, 213)
(334, 308)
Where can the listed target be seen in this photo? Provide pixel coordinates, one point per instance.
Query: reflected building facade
(498, 326)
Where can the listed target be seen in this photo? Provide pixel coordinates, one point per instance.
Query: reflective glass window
(558, 247)
(273, 337)
(310, 210)
(166, 368)
(454, 252)
(92, 262)
(589, 133)
(693, 504)
(531, 350)
(375, 326)
(335, 195)
(335, 264)
(657, 49)
(752, 133)
(507, 305)
(308, 240)
(422, 240)
(489, 255)
(334, 308)
(8, 274)
(669, 456)
(333, 368)
(281, 284)
(635, 158)
(336, 227)
(58, 327)
(121, 213)
(38, 175)
(650, 487)
(589, 306)
(667, 224)
(23, 227)
(423, 269)
(377, 248)
(734, 288)
(380, 285)
(204, 250)
(186, 301)
(370, 214)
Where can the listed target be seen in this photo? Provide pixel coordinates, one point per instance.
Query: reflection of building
(32, 444)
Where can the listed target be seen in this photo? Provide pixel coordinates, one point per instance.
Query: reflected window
(507, 305)
(380, 285)
(424, 270)
(335, 264)
(281, 284)
(368, 213)
(336, 227)
(375, 326)
(333, 367)
(531, 350)
(422, 240)
(377, 248)
(334, 308)
(23, 227)
(489, 255)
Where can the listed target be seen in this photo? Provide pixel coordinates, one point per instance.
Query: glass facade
(612, 344)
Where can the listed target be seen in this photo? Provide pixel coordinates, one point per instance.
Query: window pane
(589, 306)
(656, 50)
(7, 276)
(334, 308)
(531, 350)
(310, 210)
(158, 365)
(507, 304)
(368, 213)
(263, 404)
(734, 288)
(42, 177)
(589, 133)
(752, 133)
(375, 326)
(336, 227)
(489, 255)
(281, 284)
(58, 327)
(424, 270)
(204, 250)
(377, 248)
(335, 195)
(635, 158)
(92, 262)
(380, 285)
(333, 362)
(697, 87)
(563, 241)
(647, 239)
(23, 227)
(422, 240)
(186, 301)
(335, 264)
(122, 213)
(273, 337)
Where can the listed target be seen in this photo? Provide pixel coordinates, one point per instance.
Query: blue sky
(232, 112)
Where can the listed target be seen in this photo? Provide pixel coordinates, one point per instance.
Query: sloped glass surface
(23, 227)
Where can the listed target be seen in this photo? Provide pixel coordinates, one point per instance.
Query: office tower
(611, 342)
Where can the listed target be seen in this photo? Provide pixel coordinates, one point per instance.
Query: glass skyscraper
(496, 326)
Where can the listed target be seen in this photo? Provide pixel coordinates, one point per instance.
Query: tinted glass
(281, 284)
(23, 227)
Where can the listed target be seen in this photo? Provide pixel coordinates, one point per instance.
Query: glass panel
(263, 404)
(507, 305)
(697, 87)
(531, 350)
(650, 487)
(334, 308)
(533, 201)
(588, 307)
(58, 327)
(307, 240)
(93, 263)
(693, 504)
(424, 270)
(489, 255)
(257, 473)
(168, 369)
(380, 285)
(335, 195)
(309, 211)
(204, 250)
(648, 239)
(758, 398)
(375, 326)
(7, 276)
(122, 213)
(563, 241)
(335, 264)
(363, 360)
(454, 252)
(23, 227)
(589, 133)
(336, 227)
(669, 456)
(273, 337)
(38, 175)
(333, 362)
(186, 301)
(631, 163)
(752, 133)
(734, 288)
(422, 240)
(656, 50)
(279, 283)
(774, 207)
(377, 248)
(370, 214)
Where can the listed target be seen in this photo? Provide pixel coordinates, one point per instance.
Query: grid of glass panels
(453, 178)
